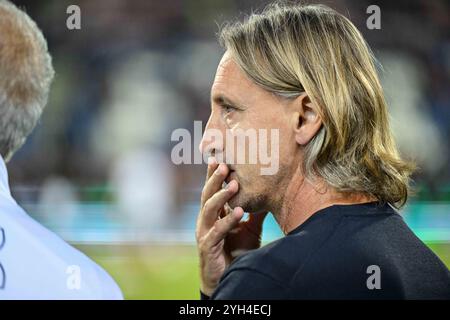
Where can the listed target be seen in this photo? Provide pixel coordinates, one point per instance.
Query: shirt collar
(4, 185)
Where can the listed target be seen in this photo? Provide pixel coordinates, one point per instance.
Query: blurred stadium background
(97, 169)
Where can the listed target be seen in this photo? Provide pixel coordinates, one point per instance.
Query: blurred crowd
(139, 69)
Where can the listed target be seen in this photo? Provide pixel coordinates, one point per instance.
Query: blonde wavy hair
(289, 49)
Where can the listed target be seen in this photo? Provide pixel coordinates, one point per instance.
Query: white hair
(26, 73)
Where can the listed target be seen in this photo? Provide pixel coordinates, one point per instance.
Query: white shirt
(37, 264)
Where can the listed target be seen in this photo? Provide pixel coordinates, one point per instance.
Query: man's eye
(228, 109)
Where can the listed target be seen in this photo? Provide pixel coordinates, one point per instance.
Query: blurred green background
(168, 272)
(150, 271)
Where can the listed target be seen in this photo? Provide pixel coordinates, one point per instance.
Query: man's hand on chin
(220, 233)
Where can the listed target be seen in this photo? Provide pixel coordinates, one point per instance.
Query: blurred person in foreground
(307, 72)
(34, 262)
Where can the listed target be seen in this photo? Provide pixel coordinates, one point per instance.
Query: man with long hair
(306, 72)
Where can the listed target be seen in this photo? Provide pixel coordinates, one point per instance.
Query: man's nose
(212, 141)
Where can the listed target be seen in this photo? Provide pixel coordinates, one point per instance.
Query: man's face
(240, 108)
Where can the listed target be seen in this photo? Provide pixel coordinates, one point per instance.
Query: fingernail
(219, 170)
(211, 160)
(232, 185)
(235, 212)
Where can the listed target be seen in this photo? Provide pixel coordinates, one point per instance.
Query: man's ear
(305, 119)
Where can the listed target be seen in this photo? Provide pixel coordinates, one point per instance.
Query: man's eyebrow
(221, 99)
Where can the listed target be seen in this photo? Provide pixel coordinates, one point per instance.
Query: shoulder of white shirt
(38, 264)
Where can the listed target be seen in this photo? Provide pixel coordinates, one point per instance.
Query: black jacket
(363, 251)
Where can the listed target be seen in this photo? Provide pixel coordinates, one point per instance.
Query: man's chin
(238, 201)
(247, 203)
(233, 203)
